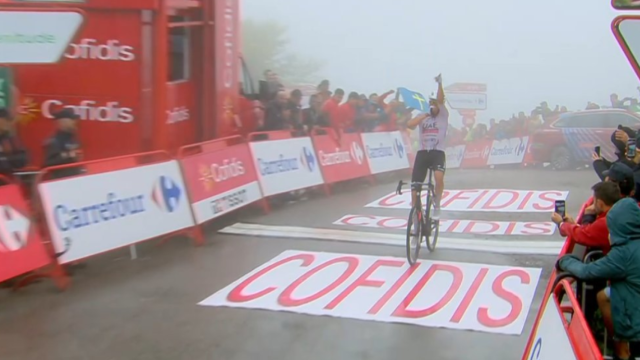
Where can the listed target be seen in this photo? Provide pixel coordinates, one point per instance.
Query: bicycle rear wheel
(414, 235)
(431, 228)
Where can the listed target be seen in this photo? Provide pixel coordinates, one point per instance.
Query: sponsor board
(220, 181)
(341, 160)
(454, 156)
(479, 227)
(36, 37)
(21, 248)
(476, 154)
(385, 151)
(551, 340)
(91, 214)
(498, 200)
(466, 100)
(508, 151)
(286, 165)
(478, 297)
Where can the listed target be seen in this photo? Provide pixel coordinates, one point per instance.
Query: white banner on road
(286, 165)
(478, 297)
(385, 151)
(88, 215)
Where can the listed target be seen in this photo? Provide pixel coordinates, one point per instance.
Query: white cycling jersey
(433, 130)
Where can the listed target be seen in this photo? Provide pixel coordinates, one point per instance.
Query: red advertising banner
(476, 154)
(21, 249)
(343, 160)
(220, 181)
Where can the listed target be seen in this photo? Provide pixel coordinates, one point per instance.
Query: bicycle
(425, 226)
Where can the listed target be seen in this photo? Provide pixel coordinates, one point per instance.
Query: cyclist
(432, 132)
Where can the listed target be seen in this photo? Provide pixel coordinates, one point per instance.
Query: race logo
(307, 159)
(14, 229)
(177, 115)
(91, 110)
(399, 148)
(216, 173)
(166, 194)
(90, 49)
(356, 153)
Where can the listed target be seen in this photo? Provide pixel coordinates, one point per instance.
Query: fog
(526, 52)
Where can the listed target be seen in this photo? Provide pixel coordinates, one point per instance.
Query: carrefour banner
(385, 151)
(286, 165)
(91, 214)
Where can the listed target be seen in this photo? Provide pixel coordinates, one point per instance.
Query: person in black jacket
(64, 147)
(619, 139)
(13, 155)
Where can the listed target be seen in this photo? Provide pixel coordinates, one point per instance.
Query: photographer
(619, 139)
(621, 266)
(594, 234)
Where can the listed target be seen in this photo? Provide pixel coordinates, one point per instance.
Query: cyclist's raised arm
(411, 124)
(440, 90)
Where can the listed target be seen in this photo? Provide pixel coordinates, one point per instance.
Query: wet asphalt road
(146, 308)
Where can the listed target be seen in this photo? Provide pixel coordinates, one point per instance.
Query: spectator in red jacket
(331, 108)
(348, 112)
(596, 234)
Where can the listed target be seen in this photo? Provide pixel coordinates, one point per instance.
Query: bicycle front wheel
(414, 235)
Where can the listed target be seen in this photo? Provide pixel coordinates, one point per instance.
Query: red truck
(142, 75)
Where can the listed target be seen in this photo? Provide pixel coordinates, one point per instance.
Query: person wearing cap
(64, 147)
(621, 266)
(622, 175)
(13, 155)
(593, 234)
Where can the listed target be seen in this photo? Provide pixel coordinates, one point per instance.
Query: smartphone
(561, 208)
(631, 149)
(597, 150)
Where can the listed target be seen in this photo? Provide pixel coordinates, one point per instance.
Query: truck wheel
(561, 158)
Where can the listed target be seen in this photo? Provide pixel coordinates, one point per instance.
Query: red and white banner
(476, 154)
(454, 156)
(496, 200)
(478, 297)
(220, 181)
(478, 227)
(21, 248)
(341, 160)
(551, 340)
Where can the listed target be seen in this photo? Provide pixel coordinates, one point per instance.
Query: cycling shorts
(435, 160)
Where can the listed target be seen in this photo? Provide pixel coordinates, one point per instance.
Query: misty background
(526, 52)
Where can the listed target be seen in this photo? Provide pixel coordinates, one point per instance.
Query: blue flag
(414, 99)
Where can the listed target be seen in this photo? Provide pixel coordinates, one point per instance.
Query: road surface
(118, 308)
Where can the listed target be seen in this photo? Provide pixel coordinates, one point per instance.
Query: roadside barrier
(85, 209)
(560, 330)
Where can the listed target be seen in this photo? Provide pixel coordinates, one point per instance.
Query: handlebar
(414, 186)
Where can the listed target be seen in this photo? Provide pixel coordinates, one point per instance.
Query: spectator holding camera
(619, 139)
(593, 234)
(621, 266)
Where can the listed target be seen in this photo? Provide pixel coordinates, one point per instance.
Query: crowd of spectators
(328, 108)
(611, 224)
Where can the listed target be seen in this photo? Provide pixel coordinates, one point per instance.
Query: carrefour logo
(166, 194)
(399, 148)
(380, 151)
(308, 159)
(521, 148)
(357, 153)
(113, 208)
